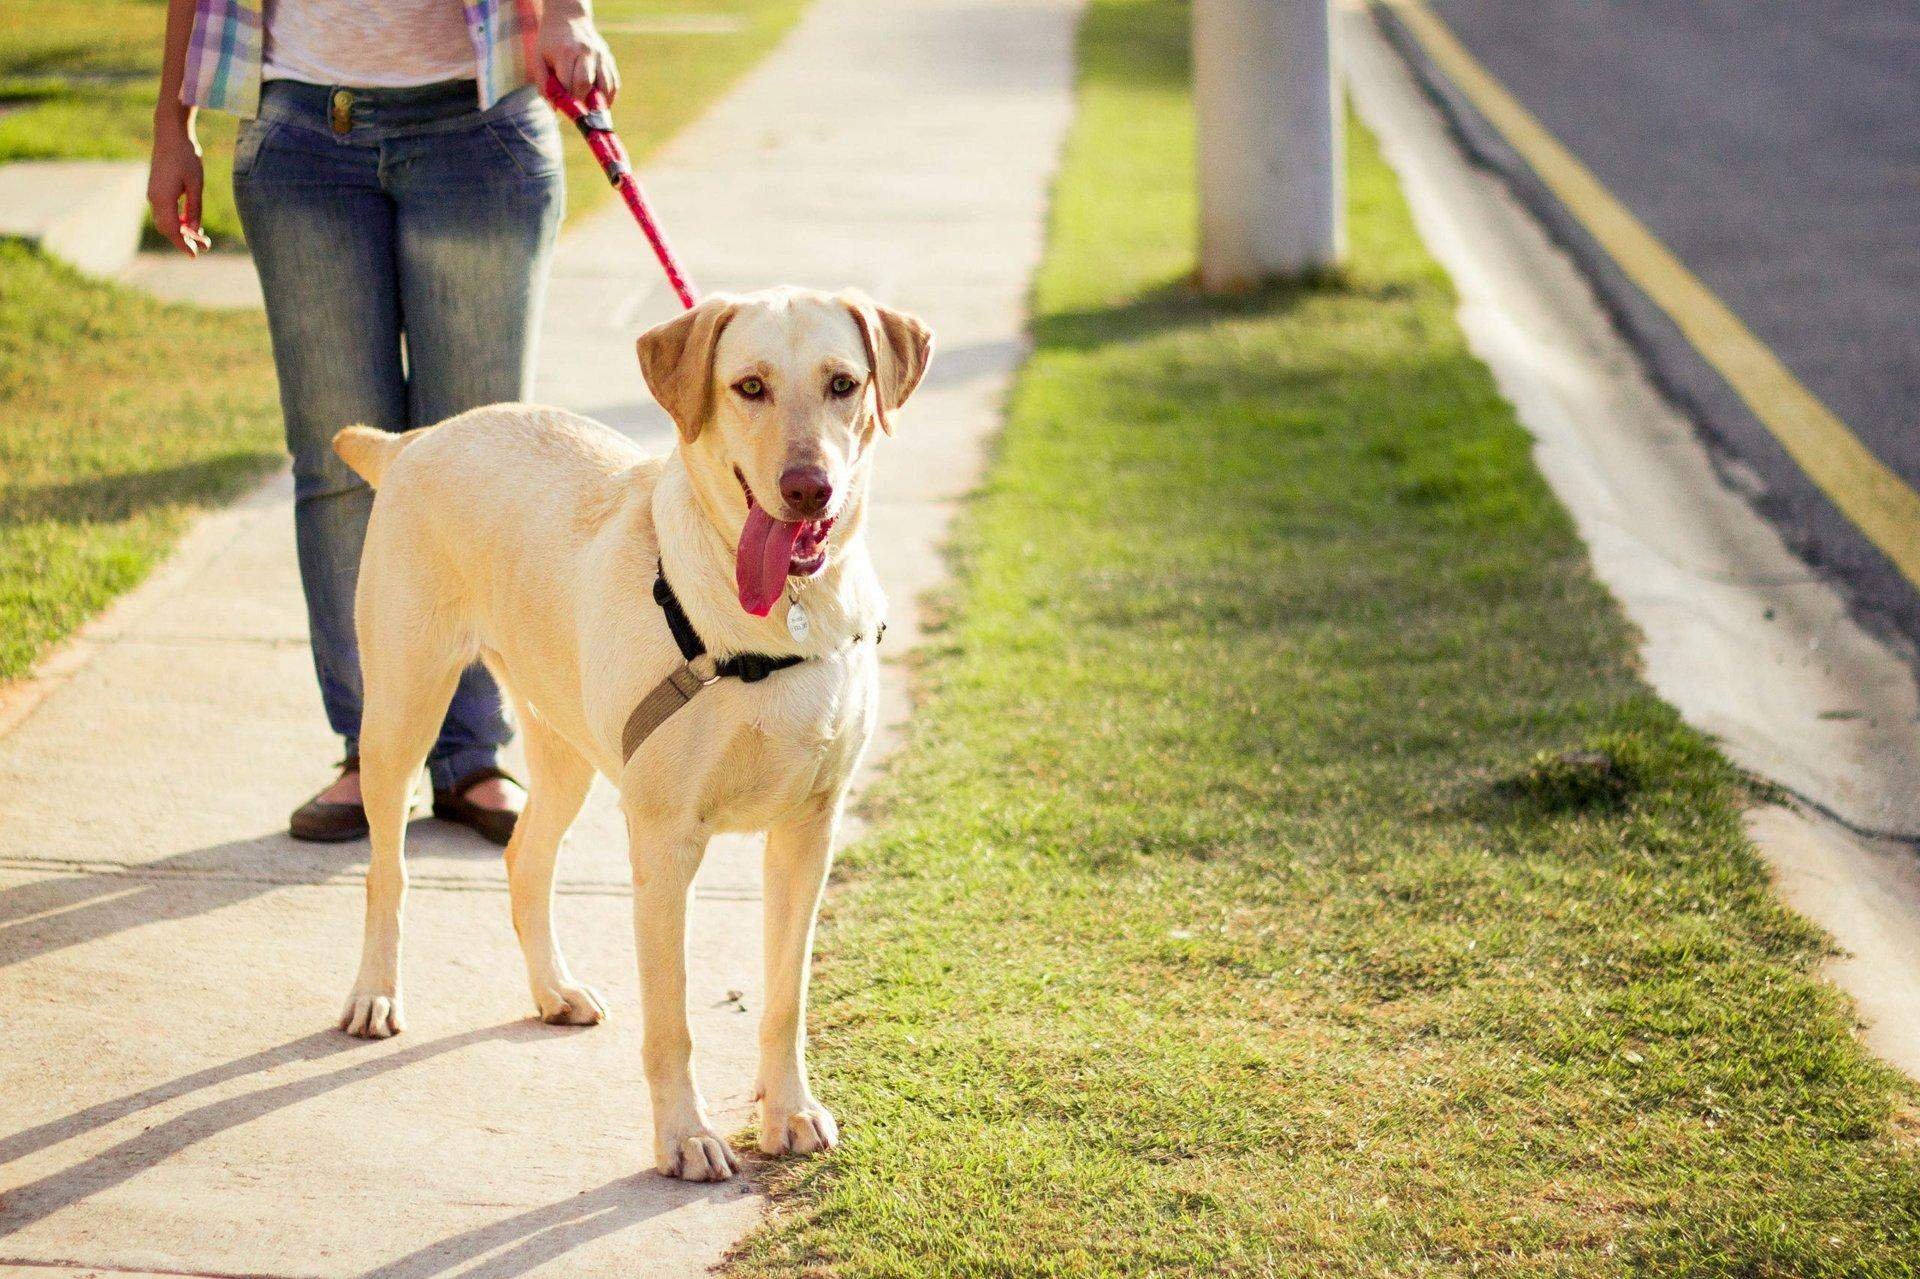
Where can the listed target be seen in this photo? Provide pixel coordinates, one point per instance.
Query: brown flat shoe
(326, 823)
(493, 824)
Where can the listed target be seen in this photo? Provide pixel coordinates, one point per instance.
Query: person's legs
(322, 233)
(478, 209)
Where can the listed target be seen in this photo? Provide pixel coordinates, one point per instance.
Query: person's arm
(175, 178)
(570, 44)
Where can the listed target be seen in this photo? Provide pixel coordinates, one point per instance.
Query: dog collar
(697, 669)
(749, 668)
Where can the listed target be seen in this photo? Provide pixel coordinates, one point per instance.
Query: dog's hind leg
(558, 778)
(407, 686)
(685, 1144)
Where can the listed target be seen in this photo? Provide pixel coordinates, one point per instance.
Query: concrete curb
(1744, 639)
(87, 213)
(1748, 456)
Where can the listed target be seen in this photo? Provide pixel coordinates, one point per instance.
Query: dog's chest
(796, 735)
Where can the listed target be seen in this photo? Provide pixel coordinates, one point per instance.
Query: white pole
(1271, 151)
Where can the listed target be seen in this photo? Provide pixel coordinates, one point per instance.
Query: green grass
(1291, 873)
(668, 79)
(83, 75)
(119, 416)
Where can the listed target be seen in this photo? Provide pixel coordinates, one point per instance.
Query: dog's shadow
(541, 1235)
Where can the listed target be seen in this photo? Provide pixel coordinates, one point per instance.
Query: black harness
(697, 669)
(749, 668)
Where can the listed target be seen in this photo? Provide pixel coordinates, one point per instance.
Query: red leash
(595, 123)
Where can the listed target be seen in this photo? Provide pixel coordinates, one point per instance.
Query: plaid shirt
(224, 56)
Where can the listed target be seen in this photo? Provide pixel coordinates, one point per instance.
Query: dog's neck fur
(843, 600)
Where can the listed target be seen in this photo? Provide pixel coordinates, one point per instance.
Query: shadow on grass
(1177, 305)
(1144, 46)
(22, 90)
(73, 60)
(120, 496)
(1606, 776)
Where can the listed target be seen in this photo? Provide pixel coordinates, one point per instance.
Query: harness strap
(696, 671)
(668, 696)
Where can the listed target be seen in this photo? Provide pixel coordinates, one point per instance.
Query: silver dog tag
(798, 623)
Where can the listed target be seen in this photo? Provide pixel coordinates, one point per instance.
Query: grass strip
(78, 78)
(1291, 873)
(119, 417)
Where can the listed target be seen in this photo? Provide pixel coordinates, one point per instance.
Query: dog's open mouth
(773, 550)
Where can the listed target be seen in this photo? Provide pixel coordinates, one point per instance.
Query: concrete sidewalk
(172, 1098)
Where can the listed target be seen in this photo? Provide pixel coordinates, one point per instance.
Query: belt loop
(341, 113)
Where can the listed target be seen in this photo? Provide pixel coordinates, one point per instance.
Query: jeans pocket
(531, 140)
(246, 148)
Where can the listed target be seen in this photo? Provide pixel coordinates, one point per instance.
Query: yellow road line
(1878, 501)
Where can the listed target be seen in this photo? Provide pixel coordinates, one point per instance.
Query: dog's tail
(370, 451)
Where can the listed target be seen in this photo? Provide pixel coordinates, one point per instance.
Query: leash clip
(704, 669)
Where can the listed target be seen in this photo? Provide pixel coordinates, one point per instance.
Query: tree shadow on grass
(1144, 46)
(124, 494)
(1178, 305)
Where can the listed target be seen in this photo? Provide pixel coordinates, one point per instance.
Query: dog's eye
(751, 388)
(842, 385)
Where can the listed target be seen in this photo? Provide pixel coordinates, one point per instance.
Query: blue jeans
(403, 238)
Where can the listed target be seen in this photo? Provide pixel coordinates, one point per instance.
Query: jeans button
(342, 113)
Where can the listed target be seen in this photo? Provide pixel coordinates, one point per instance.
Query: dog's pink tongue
(760, 567)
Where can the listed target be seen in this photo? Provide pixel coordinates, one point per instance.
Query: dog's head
(778, 396)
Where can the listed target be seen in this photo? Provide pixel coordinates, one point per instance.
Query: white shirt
(367, 44)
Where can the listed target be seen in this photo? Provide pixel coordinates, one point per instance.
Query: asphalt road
(1776, 150)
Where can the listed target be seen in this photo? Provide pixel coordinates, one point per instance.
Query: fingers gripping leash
(595, 122)
(594, 118)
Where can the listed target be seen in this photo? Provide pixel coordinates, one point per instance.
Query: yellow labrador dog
(698, 627)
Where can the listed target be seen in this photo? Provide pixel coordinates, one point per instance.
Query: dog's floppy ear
(677, 360)
(898, 350)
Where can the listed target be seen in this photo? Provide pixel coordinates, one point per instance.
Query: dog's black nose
(806, 491)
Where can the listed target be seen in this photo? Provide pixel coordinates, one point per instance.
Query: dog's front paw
(373, 1014)
(693, 1153)
(569, 1005)
(804, 1129)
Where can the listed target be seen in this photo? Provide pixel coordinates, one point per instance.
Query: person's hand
(174, 182)
(572, 47)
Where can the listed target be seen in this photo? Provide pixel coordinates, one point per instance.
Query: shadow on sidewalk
(46, 915)
(25, 1142)
(36, 1200)
(511, 1246)
(71, 908)
(542, 1235)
